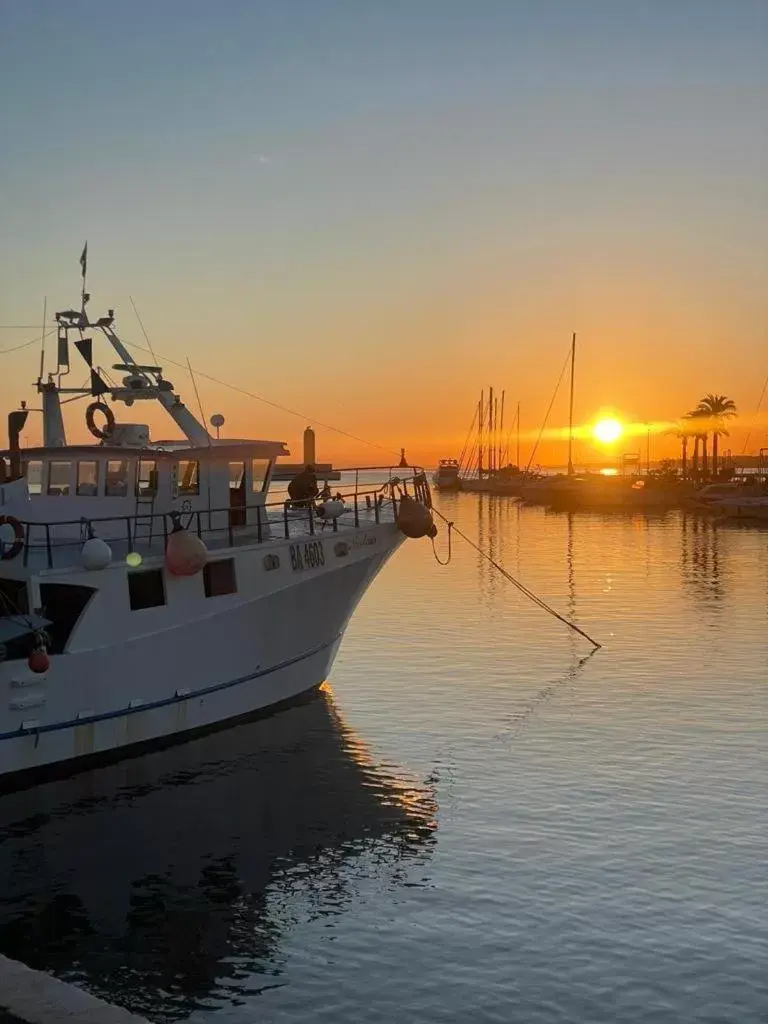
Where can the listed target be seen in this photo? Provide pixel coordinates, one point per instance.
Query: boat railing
(226, 526)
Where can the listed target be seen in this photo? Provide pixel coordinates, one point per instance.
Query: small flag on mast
(84, 259)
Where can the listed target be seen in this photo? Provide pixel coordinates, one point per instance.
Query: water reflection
(700, 557)
(169, 880)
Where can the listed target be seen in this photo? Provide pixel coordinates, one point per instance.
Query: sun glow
(607, 431)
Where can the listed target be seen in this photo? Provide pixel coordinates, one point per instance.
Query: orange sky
(368, 217)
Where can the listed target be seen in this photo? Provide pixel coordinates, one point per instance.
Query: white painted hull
(200, 664)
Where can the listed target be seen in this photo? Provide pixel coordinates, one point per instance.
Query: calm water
(473, 824)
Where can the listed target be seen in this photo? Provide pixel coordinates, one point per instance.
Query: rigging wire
(549, 410)
(260, 398)
(27, 344)
(516, 583)
(757, 410)
(144, 331)
(466, 440)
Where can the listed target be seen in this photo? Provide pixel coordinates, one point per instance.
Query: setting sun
(607, 431)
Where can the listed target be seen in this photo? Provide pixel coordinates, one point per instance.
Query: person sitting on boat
(303, 489)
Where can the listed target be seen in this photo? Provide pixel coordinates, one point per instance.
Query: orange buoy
(39, 661)
(185, 554)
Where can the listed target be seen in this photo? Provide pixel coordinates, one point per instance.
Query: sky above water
(367, 212)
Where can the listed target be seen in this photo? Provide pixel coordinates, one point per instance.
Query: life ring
(11, 551)
(106, 430)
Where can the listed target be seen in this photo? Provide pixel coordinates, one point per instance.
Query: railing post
(311, 520)
(357, 512)
(128, 530)
(285, 519)
(376, 507)
(258, 522)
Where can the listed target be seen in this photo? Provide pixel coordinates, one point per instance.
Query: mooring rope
(438, 559)
(515, 582)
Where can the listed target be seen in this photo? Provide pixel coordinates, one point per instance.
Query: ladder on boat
(144, 519)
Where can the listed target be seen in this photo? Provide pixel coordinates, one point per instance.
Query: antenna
(84, 296)
(217, 422)
(42, 338)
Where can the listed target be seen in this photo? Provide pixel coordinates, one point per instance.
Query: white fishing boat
(150, 590)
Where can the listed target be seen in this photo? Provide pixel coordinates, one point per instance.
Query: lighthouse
(309, 447)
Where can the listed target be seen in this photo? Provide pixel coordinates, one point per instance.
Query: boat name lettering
(362, 540)
(307, 556)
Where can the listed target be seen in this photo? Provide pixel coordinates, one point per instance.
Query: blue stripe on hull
(150, 705)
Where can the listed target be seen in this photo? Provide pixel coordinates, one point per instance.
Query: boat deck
(52, 546)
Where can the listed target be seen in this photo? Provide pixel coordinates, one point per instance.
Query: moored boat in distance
(150, 590)
(446, 477)
(593, 491)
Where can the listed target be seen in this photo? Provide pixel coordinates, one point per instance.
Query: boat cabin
(228, 482)
(124, 485)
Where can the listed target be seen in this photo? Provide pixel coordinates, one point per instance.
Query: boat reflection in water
(166, 882)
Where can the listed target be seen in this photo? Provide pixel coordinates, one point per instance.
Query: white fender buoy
(95, 554)
(330, 509)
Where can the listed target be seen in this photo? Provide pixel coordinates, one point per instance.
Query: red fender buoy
(39, 661)
(185, 554)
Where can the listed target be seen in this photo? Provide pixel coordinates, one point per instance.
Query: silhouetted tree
(716, 409)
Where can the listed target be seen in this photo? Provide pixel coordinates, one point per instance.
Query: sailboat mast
(517, 418)
(570, 416)
(490, 431)
(501, 429)
(480, 414)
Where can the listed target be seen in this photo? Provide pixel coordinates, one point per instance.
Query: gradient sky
(367, 211)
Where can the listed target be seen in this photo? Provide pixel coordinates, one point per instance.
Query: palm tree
(684, 433)
(699, 436)
(716, 409)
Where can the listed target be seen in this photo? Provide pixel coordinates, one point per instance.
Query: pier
(33, 997)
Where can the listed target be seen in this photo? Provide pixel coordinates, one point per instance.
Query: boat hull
(256, 652)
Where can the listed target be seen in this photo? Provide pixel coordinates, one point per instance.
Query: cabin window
(118, 478)
(58, 477)
(88, 479)
(63, 604)
(146, 589)
(189, 477)
(33, 471)
(147, 487)
(219, 578)
(237, 476)
(259, 470)
(237, 494)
